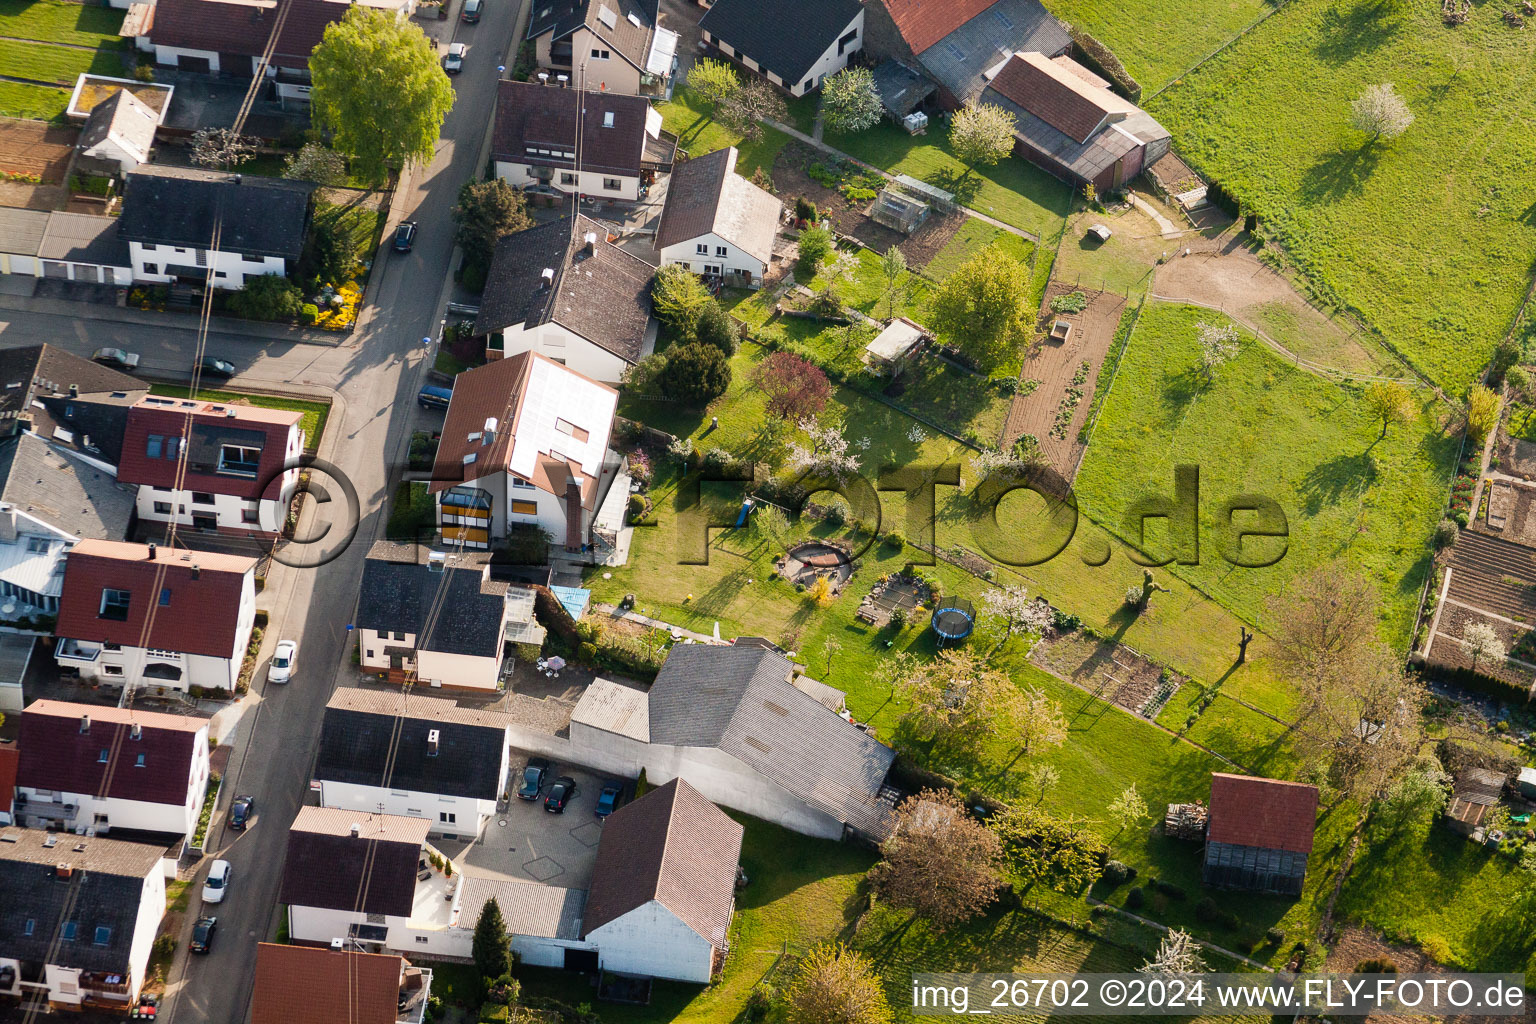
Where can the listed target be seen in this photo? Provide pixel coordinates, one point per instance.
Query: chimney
(573, 531)
(432, 735)
(237, 179)
(564, 80)
(74, 391)
(338, 945)
(488, 435)
(85, 724)
(590, 240)
(63, 870)
(151, 551)
(543, 77)
(547, 279)
(357, 830)
(196, 572)
(136, 731)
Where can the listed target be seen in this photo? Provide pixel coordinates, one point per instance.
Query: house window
(30, 926)
(111, 670)
(721, 251)
(165, 597)
(162, 508)
(398, 635)
(114, 604)
(612, 184)
(842, 44)
(370, 654)
(1002, 19)
(711, 269)
(172, 447)
(955, 52)
(202, 498)
(599, 54)
(516, 482)
(70, 928)
(525, 508)
(238, 460)
(103, 935)
(447, 817)
(251, 513)
(421, 939)
(154, 445)
(567, 178)
(701, 249)
(151, 268)
(809, 84)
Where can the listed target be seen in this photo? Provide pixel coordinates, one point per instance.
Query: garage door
(581, 959)
(53, 268)
(187, 62)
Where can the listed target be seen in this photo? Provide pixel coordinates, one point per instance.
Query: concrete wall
(230, 269)
(435, 668)
(651, 940)
(469, 813)
(734, 260)
(596, 184)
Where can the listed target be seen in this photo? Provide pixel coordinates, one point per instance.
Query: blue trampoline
(954, 620)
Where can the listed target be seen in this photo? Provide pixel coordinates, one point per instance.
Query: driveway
(682, 17)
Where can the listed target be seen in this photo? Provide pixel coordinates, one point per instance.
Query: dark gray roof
(740, 700)
(456, 611)
(105, 884)
(21, 231)
(355, 747)
(604, 297)
(82, 238)
(1085, 160)
(373, 872)
(784, 36)
(901, 89)
(43, 375)
(178, 206)
(62, 490)
(960, 60)
(628, 39)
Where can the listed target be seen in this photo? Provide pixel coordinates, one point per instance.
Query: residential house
(78, 916)
(169, 215)
(960, 43)
(66, 400)
(716, 222)
(543, 921)
(306, 985)
(439, 620)
(608, 45)
(134, 616)
(412, 755)
(85, 766)
(51, 497)
(10, 758)
(242, 464)
(526, 441)
(729, 721)
(1260, 834)
(365, 879)
(794, 45)
(622, 144)
(118, 135)
(564, 290)
(664, 887)
(67, 246)
(1070, 123)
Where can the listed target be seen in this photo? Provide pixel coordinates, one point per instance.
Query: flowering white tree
(1380, 112)
(1218, 346)
(1480, 641)
(825, 449)
(1018, 612)
(1178, 953)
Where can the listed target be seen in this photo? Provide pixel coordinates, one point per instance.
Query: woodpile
(1455, 12)
(1187, 821)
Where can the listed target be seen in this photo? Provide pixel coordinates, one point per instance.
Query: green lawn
(52, 22)
(61, 64)
(687, 117)
(1264, 426)
(32, 101)
(313, 414)
(1157, 41)
(974, 236)
(1429, 236)
(1013, 191)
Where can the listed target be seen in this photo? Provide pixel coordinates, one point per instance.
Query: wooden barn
(1260, 834)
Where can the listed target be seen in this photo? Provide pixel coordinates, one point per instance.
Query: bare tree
(1480, 641)
(1017, 610)
(1322, 623)
(746, 108)
(1038, 721)
(1177, 954)
(1218, 346)
(223, 148)
(892, 265)
(824, 449)
(1042, 777)
(318, 164)
(835, 985)
(831, 647)
(957, 700)
(1380, 112)
(938, 861)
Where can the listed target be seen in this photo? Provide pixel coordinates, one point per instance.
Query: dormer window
(114, 604)
(239, 460)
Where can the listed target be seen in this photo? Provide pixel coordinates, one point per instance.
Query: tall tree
(491, 946)
(713, 81)
(1018, 612)
(938, 861)
(835, 985)
(956, 701)
(849, 101)
(745, 109)
(377, 87)
(1389, 401)
(1482, 411)
(1480, 642)
(679, 298)
(794, 387)
(696, 374)
(983, 309)
(1060, 853)
(1323, 622)
(1218, 346)
(486, 211)
(1380, 112)
(981, 134)
(330, 253)
(318, 164)
(892, 265)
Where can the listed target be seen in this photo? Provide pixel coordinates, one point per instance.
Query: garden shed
(898, 211)
(1259, 834)
(890, 350)
(1475, 795)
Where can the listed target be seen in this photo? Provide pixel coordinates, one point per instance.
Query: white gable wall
(567, 347)
(735, 260)
(595, 184)
(651, 940)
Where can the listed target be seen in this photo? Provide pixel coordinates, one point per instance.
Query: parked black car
(472, 11)
(560, 794)
(405, 236)
(202, 935)
(533, 778)
(241, 811)
(218, 368)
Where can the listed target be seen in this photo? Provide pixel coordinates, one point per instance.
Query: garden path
(1166, 226)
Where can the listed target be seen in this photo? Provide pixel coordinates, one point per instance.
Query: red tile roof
(1267, 813)
(1056, 95)
(209, 425)
(923, 23)
(57, 754)
(9, 758)
(203, 609)
(306, 985)
(242, 28)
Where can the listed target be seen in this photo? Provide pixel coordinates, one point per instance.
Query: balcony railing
(75, 650)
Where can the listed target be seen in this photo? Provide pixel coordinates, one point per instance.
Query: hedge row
(1100, 58)
(1512, 693)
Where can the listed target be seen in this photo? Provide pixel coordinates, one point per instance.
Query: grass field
(32, 101)
(974, 236)
(51, 22)
(687, 117)
(1154, 41)
(1263, 425)
(312, 421)
(61, 64)
(1428, 236)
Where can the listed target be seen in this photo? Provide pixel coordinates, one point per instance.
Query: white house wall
(651, 940)
(829, 63)
(735, 260)
(230, 269)
(171, 54)
(566, 347)
(228, 510)
(371, 649)
(151, 910)
(435, 668)
(593, 184)
(136, 814)
(469, 813)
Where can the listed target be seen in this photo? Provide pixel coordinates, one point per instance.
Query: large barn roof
(1266, 813)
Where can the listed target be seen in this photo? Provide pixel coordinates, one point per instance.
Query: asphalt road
(373, 378)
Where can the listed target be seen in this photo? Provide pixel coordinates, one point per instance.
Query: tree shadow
(1337, 478)
(964, 184)
(1180, 388)
(1348, 33)
(1340, 174)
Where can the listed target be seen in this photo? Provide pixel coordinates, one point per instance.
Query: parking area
(528, 843)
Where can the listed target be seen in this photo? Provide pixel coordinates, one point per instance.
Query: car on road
(533, 778)
(283, 658)
(472, 11)
(241, 812)
(405, 236)
(434, 397)
(117, 358)
(560, 794)
(213, 367)
(218, 882)
(608, 798)
(453, 60)
(202, 935)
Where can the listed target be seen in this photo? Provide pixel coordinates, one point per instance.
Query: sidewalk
(170, 321)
